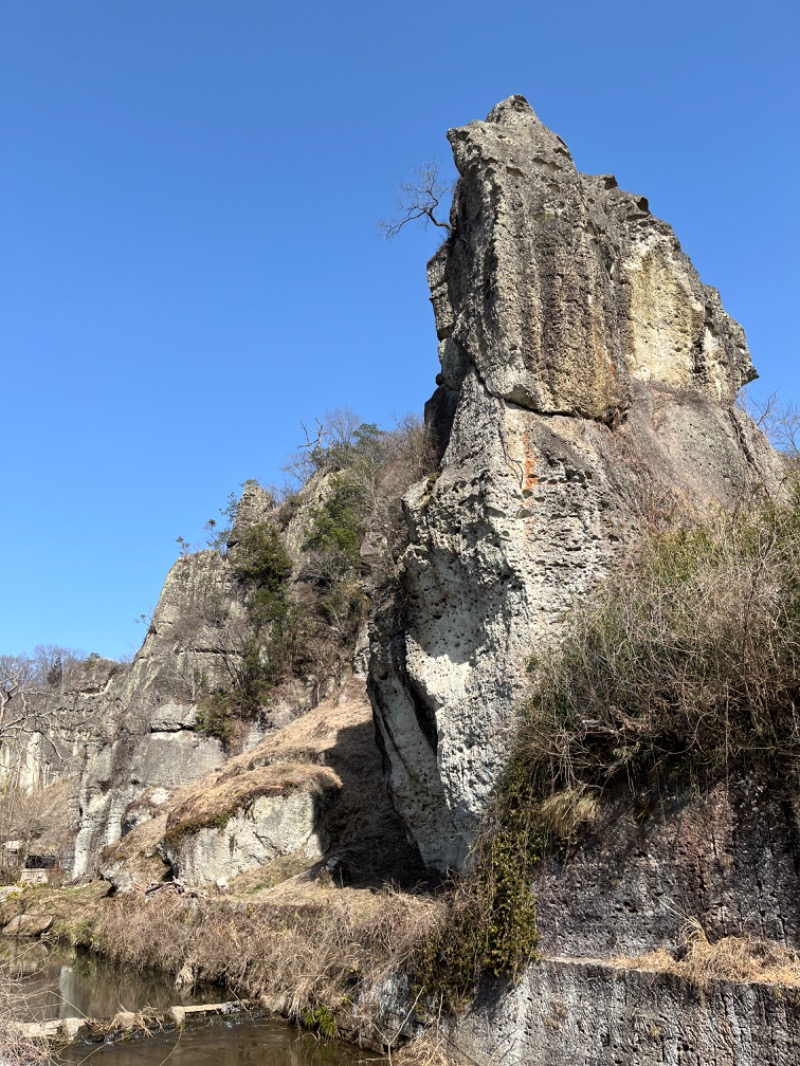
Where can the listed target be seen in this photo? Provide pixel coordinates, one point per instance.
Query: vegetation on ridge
(687, 659)
(303, 620)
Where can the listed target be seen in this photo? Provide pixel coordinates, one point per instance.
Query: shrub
(320, 1019)
(260, 557)
(338, 525)
(490, 924)
(216, 717)
(688, 659)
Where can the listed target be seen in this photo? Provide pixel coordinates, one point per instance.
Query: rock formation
(588, 386)
(123, 731)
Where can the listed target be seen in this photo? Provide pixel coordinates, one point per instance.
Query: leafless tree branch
(419, 199)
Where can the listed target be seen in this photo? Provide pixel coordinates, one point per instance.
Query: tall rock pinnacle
(588, 380)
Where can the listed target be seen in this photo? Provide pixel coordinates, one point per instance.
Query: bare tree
(24, 679)
(777, 419)
(327, 446)
(420, 200)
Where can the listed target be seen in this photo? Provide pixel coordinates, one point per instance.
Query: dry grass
(745, 960)
(431, 1048)
(137, 851)
(688, 657)
(17, 1047)
(214, 805)
(564, 813)
(320, 952)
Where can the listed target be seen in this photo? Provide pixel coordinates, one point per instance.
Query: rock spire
(588, 381)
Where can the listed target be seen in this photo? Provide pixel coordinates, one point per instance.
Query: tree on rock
(419, 200)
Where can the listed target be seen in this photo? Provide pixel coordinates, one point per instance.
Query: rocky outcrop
(193, 638)
(278, 812)
(313, 787)
(123, 731)
(587, 388)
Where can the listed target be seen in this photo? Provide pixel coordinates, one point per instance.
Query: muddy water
(244, 1043)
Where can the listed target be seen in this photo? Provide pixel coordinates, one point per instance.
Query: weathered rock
(121, 731)
(29, 925)
(250, 820)
(727, 858)
(588, 383)
(588, 1013)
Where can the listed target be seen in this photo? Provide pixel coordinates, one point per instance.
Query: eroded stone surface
(121, 730)
(588, 382)
(727, 858)
(585, 1013)
(271, 826)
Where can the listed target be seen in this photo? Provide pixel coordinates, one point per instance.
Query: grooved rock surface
(588, 384)
(586, 1013)
(727, 858)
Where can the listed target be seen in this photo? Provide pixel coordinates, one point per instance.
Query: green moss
(491, 926)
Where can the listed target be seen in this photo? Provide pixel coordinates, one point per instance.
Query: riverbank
(327, 958)
(336, 962)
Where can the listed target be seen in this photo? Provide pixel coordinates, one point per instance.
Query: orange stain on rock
(530, 478)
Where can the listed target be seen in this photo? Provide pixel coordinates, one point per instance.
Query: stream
(61, 984)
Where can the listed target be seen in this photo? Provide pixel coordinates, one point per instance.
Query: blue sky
(190, 263)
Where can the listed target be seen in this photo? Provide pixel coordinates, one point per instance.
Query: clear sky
(190, 264)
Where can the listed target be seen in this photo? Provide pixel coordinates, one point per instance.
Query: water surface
(250, 1042)
(57, 983)
(63, 984)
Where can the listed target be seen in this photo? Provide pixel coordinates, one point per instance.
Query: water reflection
(244, 1043)
(60, 984)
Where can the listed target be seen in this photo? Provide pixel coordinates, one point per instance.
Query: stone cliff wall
(587, 387)
(587, 1013)
(121, 731)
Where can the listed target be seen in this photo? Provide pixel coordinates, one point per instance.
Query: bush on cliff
(685, 662)
(687, 659)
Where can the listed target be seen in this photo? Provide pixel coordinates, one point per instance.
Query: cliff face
(587, 388)
(121, 731)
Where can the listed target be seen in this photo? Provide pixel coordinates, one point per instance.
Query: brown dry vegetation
(687, 659)
(431, 1048)
(17, 1047)
(743, 959)
(213, 806)
(323, 950)
(37, 819)
(332, 746)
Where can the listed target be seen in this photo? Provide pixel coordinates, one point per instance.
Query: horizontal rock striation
(587, 388)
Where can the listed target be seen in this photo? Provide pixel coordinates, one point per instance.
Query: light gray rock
(32, 925)
(588, 384)
(587, 1013)
(121, 730)
(268, 827)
